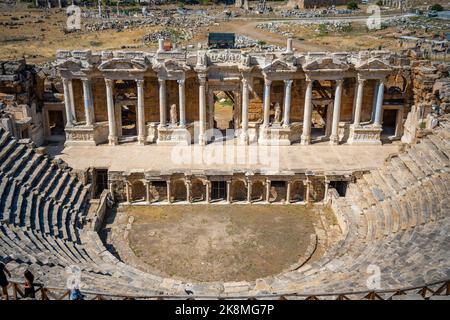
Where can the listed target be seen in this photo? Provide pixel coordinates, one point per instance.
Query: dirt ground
(218, 242)
(37, 34)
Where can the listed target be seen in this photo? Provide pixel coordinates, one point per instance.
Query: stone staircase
(395, 223)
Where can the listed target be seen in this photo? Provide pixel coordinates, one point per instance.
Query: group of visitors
(29, 291)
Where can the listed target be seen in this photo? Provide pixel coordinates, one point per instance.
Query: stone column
(249, 191)
(202, 109)
(182, 101)
(211, 111)
(229, 191)
(359, 101)
(140, 112)
(169, 193)
(307, 189)
(188, 191)
(325, 196)
(245, 102)
(72, 101)
(306, 135)
(88, 103)
(127, 191)
(267, 84)
(379, 105)
(268, 183)
(69, 122)
(112, 137)
(162, 102)
(334, 138)
(208, 191)
(147, 191)
(287, 102)
(288, 191)
(374, 102)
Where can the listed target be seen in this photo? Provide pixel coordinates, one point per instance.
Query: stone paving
(317, 157)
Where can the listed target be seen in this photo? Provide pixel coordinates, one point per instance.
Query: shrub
(352, 5)
(437, 7)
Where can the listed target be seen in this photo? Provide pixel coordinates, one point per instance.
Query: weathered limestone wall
(256, 100)
(151, 99)
(77, 86)
(99, 98)
(192, 99)
(298, 100)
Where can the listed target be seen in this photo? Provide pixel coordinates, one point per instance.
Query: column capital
(339, 82)
(65, 80)
(202, 79)
(361, 81)
(109, 82)
(181, 82)
(139, 82)
(85, 80)
(267, 82)
(288, 83)
(245, 81)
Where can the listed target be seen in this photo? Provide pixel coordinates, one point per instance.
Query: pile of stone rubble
(173, 35)
(119, 24)
(287, 29)
(243, 42)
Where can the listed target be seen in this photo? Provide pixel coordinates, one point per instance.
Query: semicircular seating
(395, 225)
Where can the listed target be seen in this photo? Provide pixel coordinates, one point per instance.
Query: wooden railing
(47, 293)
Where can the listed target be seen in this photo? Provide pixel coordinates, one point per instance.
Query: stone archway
(238, 190)
(297, 191)
(258, 191)
(198, 192)
(137, 191)
(179, 190)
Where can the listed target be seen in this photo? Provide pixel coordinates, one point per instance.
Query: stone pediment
(128, 65)
(325, 64)
(173, 66)
(71, 64)
(373, 64)
(279, 66)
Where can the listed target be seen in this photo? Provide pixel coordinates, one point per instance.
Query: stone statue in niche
(277, 116)
(201, 60)
(246, 60)
(173, 115)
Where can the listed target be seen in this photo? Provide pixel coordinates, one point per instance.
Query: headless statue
(277, 116)
(173, 114)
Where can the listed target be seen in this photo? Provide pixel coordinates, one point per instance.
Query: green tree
(379, 3)
(352, 5)
(437, 7)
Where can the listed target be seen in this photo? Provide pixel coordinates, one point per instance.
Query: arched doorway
(238, 191)
(137, 191)
(179, 191)
(257, 191)
(198, 190)
(297, 191)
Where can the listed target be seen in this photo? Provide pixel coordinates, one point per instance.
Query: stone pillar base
(173, 135)
(365, 135)
(275, 135)
(83, 135)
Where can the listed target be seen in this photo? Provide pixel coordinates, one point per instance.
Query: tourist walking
(4, 281)
(29, 291)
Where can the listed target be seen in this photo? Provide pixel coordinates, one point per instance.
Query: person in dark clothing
(4, 281)
(29, 285)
